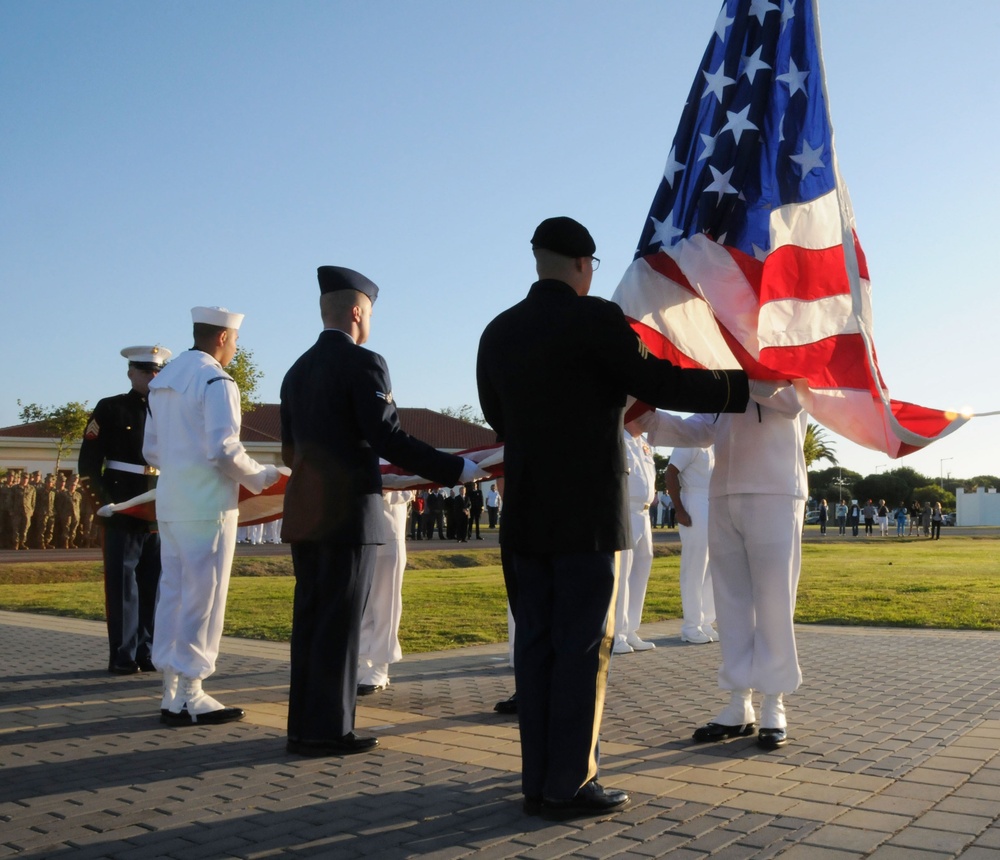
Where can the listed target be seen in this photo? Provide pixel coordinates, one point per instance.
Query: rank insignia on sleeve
(643, 349)
(384, 395)
(93, 430)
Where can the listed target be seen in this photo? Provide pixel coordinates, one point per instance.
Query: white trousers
(636, 564)
(755, 544)
(196, 559)
(380, 622)
(697, 598)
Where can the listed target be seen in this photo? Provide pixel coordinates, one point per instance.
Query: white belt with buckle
(134, 468)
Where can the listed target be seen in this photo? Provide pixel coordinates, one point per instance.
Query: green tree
(816, 446)
(248, 376)
(660, 463)
(66, 423)
(466, 413)
(933, 493)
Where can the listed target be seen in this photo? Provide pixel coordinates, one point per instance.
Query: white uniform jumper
(694, 467)
(380, 622)
(758, 492)
(636, 562)
(193, 437)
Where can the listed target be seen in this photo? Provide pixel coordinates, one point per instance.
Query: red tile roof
(263, 425)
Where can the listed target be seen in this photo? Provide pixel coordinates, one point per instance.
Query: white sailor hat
(221, 317)
(152, 356)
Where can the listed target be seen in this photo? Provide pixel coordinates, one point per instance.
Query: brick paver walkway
(894, 753)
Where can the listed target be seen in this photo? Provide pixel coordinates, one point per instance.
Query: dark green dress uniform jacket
(554, 372)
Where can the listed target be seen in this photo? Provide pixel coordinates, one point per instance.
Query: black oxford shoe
(771, 739)
(346, 745)
(123, 669)
(507, 706)
(369, 689)
(718, 732)
(533, 805)
(592, 799)
(212, 718)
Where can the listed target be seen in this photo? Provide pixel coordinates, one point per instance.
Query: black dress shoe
(719, 732)
(146, 665)
(592, 799)
(124, 669)
(165, 715)
(507, 706)
(212, 718)
(533, 805)
(368, 689)
(347, 745)
(771, 739)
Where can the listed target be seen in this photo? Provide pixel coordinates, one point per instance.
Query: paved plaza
(894, 753)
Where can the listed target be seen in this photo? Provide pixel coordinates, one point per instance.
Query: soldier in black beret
(561, 358)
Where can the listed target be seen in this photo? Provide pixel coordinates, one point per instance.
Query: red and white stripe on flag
(803, 314)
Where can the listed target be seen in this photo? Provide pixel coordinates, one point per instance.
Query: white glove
(645, 422)
(762, 390)
(271, 475)
(472, 472)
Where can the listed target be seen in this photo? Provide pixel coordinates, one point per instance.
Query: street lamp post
(943, 461)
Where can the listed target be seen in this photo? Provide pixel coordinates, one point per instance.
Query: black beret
(333, 278)
(564, 236)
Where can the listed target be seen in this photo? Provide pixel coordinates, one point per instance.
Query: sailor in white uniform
(193, 436)
(758, 493)
(380, 621)
(635, 563)
(687, 479)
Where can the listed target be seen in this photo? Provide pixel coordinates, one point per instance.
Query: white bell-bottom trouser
(755, 546)
(380, 623)
(697, 598)
(196, 558)
(636, 564)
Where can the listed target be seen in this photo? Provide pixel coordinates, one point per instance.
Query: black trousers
(131, 577)
(332, 582)
(564, 612)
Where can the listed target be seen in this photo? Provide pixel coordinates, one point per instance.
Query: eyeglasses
(595, 263)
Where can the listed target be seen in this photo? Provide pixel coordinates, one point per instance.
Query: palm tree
(816, 447)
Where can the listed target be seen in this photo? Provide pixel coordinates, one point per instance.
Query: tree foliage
(244, 370)
(66, 423)
(816, 446)
(466, 413)
(660, 463)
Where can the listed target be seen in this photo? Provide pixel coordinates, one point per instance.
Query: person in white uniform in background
(757, 498)
(687, 479)
(193, 436)
(380, 621)
(636, 563)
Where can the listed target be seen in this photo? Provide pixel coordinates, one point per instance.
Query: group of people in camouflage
(52, 514)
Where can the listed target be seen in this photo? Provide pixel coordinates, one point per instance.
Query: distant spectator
(901, 515)
(936, 519)
(869, 512)
(842, 517)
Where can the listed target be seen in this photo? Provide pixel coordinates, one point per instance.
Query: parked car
(812, 518)
(947, 519)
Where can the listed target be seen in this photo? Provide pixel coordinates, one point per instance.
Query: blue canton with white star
(755, 132)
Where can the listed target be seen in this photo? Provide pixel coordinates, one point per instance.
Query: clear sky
(155, 156)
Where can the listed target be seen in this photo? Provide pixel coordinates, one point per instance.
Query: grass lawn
(457, 598)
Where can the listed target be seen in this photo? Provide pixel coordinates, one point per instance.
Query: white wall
(981, 508)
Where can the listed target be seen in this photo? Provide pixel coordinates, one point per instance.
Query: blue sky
(155, 156)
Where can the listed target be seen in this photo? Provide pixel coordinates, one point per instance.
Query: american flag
(749, 255)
